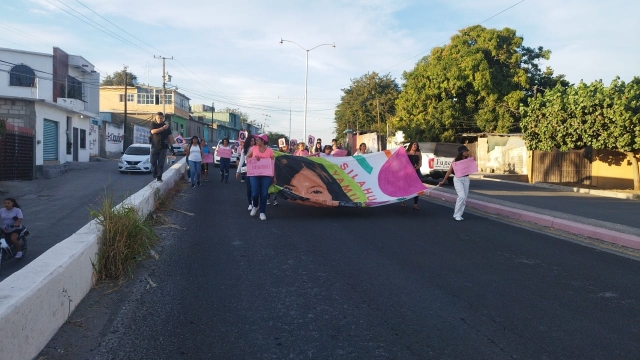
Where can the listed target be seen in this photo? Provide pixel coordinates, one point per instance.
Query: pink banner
(339, 152)
(224, 152)
(207, 159)
(259, 167)
(465, 167)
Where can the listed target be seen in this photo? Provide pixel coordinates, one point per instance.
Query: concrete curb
(37, 300)
(596, 192)
(574, 227)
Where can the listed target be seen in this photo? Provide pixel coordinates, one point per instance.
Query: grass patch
(126, 238)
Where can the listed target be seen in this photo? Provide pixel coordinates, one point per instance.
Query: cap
(160, 113)
(462, 149)
(263, 137)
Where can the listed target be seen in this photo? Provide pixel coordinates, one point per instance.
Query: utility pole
(164, 79)
(378, 104)
(264, 128)
(213, 108)
(124, 131)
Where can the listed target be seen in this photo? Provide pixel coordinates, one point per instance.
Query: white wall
(36, 61)
(93, 145)
(113, 144)
(58, 114)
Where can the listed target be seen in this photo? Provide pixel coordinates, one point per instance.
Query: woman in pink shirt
(300, 150)
(260, 184)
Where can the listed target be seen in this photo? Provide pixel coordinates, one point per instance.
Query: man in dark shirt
(161, 140)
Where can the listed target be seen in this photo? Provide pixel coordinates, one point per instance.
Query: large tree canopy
(367, 104)
(117, 79)
(476, 83)
(586, 115)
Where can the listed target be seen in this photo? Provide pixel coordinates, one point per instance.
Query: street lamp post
(306, 79)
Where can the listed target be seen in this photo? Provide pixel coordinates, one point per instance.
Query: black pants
(158, 158)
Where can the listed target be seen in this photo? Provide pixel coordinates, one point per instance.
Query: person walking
(11, 224)
(415, 156)
(246, 146)
(260, 184)
(194, 158)
(317, 149)
(204, 172)
(225, 159)
(301, 150)
(461, 184)
(362, 149)
(161, 140)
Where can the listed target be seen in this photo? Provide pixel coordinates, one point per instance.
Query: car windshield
(138, 150)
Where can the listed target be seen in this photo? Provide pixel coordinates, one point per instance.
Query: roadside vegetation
(127, 237)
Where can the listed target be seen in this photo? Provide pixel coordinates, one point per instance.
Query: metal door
(76, 147)
(50, 138)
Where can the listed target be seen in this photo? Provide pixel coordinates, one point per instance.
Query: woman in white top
(242, 167)
(194, 158)
(362, 149)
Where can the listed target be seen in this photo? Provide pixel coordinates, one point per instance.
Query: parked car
(137, 158)
(178, 149)
(436, 159)
(235, 154)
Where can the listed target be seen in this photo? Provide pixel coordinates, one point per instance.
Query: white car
(235, 154)
(137, 158)
(178, 149)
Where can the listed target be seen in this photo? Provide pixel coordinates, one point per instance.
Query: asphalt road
(381, 283)
(56, 208)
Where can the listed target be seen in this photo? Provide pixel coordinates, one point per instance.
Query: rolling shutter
(50, 140)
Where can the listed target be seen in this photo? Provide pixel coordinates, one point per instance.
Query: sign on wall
(141, 134)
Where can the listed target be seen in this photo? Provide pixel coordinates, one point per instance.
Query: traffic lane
(617, 211)
(59, 207)
(387, 282)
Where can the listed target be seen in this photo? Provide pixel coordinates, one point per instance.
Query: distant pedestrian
(194, 158)
(317, 148)
(327, 150)
(242, 166)
(225, 160)
(204, 172)
(11, 224)
(461, 184)
(260, 184)
(415, 157)
(301, 150)
(161, 141)
(362, 149)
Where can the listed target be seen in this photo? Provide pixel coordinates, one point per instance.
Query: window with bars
(83, 139)
(130, 97)
(22, 75)
(146, 99)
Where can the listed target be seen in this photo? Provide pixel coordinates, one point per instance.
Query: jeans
(194, 171)
(462, 188)
(158, 157)
(248, 183)
(260, 188)
(225, 163)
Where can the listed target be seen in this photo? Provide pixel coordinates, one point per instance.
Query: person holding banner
(194, 158)
(242, 168)
(362, 149)
(224, 151)
(260, 184)
(204, 173)
(415, 156)
(461, 184)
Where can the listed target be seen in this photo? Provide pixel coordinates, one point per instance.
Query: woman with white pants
(461, 184)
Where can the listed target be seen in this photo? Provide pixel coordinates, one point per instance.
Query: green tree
(117, 79)
(587, 115)
(367, 104)
(476, 83)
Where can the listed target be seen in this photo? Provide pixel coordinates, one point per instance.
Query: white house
(54, 95)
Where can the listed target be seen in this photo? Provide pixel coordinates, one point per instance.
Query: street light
(306, 78)
(290, 101)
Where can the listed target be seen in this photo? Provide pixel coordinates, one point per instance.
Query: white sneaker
(250, 207)
(254, 211)
(263, 216)
(268, 202)
(459, 218)
(19, 253)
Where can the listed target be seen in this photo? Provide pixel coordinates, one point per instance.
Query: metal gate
(571, 167)
(16, 156)
(50, 146)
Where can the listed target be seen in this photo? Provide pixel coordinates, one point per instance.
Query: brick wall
(20, 113)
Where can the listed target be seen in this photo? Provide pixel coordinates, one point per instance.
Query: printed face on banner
(293, 143)
(242, 136)
(282, 142)
(179, 140)
(311, 140)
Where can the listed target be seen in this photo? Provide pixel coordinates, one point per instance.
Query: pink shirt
(301, 153)
(268, 153)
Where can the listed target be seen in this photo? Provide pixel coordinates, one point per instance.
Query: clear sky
(228, 52)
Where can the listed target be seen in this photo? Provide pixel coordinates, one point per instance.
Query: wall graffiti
(114, 138)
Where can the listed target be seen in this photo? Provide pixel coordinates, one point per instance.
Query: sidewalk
(607, 216)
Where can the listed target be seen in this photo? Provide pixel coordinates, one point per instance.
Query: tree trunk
(636, 170)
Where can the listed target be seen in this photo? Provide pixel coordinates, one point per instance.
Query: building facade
(56, 97)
